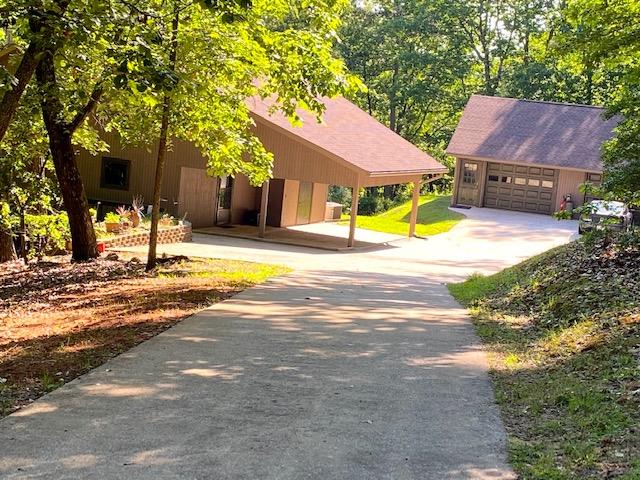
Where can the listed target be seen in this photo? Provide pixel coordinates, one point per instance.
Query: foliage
(47, 234)
(434, 217)
(112, 217)
(341, 195)
(610, 34)
(563, 330)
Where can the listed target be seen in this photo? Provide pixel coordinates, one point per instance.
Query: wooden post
(414, 208)
(264, 200)
(353, 215)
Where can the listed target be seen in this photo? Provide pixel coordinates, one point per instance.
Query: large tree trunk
(7, 249)
(83, 237)
(162, 150)
(28, 63)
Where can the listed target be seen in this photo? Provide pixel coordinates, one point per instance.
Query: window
(520, 181)
(506, 179)
(493, 178)
(469, 173)
(547, 184)
(534, 182)
(115, 173)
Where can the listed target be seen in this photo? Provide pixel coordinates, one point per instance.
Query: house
(349, 148)
(526, 155)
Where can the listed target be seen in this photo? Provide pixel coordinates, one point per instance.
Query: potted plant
(125, 222)
(166, 220)
(112, 222)
(135, 214)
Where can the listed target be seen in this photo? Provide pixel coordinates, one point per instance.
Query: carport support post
(264, 200)
(414, 208)
(355, 190)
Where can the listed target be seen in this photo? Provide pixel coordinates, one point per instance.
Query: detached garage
(525, 155)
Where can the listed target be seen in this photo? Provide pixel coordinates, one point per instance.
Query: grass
(434, 217)
(59, 320)
(563, 335)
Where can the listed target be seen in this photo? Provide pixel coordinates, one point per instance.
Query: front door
(225, 192)
(304, 203)
(468, 190)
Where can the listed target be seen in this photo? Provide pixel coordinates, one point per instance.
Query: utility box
(332, 212)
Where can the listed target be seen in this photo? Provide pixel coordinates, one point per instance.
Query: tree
(610, 33)
(27, 185)
(39, 23)
(213, 59)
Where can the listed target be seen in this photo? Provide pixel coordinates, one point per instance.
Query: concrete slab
(356, 366)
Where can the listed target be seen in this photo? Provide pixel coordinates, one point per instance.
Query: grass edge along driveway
(434, 217)
(563, 335)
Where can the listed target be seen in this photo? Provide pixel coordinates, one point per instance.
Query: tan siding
(318, 202)
(197, 197)
(142, 171)
(388, 180)
(568, 183)
(296, 161)
(290, 202)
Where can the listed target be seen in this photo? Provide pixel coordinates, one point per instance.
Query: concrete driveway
(356, 366)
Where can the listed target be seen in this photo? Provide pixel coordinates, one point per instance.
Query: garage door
(518, 187)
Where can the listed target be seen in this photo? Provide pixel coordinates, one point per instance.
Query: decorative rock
(112, 256)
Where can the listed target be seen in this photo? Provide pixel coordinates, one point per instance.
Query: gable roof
(562, 135)
(354, 136)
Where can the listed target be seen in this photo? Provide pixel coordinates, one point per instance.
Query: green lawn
(434, 217)
(563, 335)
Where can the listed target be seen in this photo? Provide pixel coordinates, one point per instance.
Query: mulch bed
(58, 320)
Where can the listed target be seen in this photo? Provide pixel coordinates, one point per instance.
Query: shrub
(112, 217)
(370, 205)
(47, 234)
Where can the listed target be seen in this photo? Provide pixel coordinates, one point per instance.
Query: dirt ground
(59, 320)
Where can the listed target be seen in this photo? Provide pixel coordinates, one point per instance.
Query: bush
(47, 234)
(370, 205)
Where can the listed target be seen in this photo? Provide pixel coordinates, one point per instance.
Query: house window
(506, 179)
(469, 173)
(520, 181)
(494, 178)
(115, 173)
(547, 184)
(534, 182)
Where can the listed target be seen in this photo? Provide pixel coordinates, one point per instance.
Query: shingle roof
(556, 134)
(354, 136)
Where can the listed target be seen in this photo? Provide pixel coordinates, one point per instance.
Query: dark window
(506, 179)
(115, 173)
(493, 178)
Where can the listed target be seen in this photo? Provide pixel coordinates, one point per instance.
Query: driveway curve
(355, 366)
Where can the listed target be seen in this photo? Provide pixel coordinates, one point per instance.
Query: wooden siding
(290, 203)
(142, 172)
(318, 202)
(568, 183)
(388, 180)
(197, 198)
(296, 161)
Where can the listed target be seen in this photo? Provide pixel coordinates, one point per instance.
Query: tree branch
(89, 107)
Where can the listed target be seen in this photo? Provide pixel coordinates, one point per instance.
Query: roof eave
(519, 162)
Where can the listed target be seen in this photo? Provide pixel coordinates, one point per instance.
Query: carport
(348, 148)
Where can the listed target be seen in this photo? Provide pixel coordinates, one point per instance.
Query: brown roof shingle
(556, 134)
(354, 136)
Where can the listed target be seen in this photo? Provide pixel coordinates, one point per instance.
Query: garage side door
(519, 187)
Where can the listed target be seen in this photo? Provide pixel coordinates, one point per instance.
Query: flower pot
(112, 227)
(135, 218)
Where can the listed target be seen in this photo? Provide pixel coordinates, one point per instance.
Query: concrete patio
(323, 236)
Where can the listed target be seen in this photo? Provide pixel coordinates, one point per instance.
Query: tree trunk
(7, 249)
(83, 237)
(26, 68)
(162, 150)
